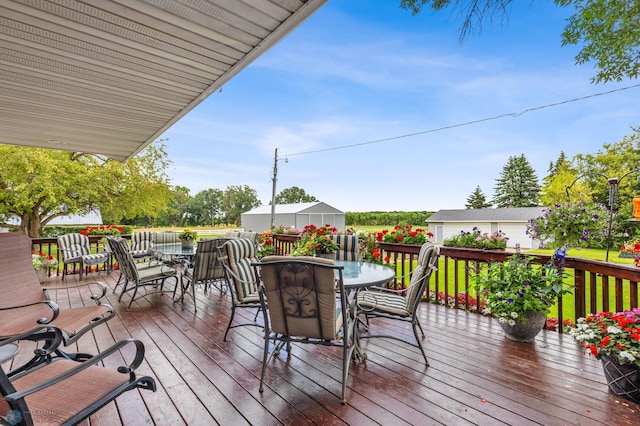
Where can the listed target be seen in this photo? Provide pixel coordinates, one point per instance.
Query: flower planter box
(400, 248)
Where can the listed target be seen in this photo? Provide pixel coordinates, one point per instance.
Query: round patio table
(357, 275)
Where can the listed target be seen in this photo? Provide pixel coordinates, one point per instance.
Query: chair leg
(233, 312)
(416, 324)
(265, 356)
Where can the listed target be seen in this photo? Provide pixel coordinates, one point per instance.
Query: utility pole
(273, 190)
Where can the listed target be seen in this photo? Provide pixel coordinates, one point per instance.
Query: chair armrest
(50, 303)
(102, 289)
(52, 345)
(128, 369)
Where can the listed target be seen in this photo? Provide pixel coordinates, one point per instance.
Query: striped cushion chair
(75, 248)
(141, 245)
(402, 304)
(348, 247)
(207, 267)
(239, 254)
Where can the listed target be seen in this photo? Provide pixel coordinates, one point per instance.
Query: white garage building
(511, 221)
(293, 216)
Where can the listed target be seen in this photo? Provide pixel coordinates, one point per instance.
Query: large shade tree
(237, 200)
(38, 185)
(294, 195)
(607, 31)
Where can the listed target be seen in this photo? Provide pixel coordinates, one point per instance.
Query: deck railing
(49, 246)
(598, 286)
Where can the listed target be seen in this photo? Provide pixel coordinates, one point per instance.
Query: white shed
(293, 216)
(511, 221)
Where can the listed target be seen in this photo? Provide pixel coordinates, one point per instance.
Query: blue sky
(360, 71)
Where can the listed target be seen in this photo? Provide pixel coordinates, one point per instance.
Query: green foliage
(576, 225)
(518, 184)
(386, 218)
(294, 195)
(517, 285)
(206, 207)
(476, 239)
(404, 235)
(619, 160)
(477, 200)
(315, 240)
(607, 31)
(38, 185)
(611, 334)
(188, 234)
(562, 185)
(237, 200)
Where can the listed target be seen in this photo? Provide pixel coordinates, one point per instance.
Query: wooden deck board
(476, 375)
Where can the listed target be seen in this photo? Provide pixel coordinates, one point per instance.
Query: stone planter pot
(623, 379)
(330, 256)
(42, 274)
(187, 243)
(527, 331)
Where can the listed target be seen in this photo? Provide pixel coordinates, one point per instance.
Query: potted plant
(43, 263)
(315, 241)
(614, 338)
(404, 235)
(476, 239)
(187, 237)
(520, 293)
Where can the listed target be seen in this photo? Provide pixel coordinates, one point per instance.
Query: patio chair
(402, 304)
(139, 278)
(307, 304)
(65, 392)
(142, 245)
(207, 267)
(24, 303)
(75, 248)
(239, 255)
(348, 247)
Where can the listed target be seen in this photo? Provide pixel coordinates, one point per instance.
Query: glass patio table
(178, 257)
(358, 275)
(8, 351)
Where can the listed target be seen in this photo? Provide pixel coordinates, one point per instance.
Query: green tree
(237, 200)
(206, 206)
(564, 186)
(518, 184)
(294, 195)
(477, 200)
(615, 160)
(38, 185)
(607, 31)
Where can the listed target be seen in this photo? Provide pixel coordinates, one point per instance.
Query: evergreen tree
(477, 200)
(518, 184)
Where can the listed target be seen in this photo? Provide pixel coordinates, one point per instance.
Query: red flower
(594, 350)
(388, 259)
(399, 238)
(376, 253)
(605, 341)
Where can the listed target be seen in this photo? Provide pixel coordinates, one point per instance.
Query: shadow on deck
(476, 375)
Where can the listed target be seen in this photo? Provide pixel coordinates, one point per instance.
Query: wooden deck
(476, 375)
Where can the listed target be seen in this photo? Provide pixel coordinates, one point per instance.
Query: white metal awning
(110, 76)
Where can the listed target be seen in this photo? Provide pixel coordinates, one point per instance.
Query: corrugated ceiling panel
(110, 76)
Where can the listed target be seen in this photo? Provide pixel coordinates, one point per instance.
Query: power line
(468, 123)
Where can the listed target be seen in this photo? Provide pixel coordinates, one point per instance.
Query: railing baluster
(467, 261)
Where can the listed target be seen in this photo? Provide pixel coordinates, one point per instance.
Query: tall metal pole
(613, 191)
(273, 190)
